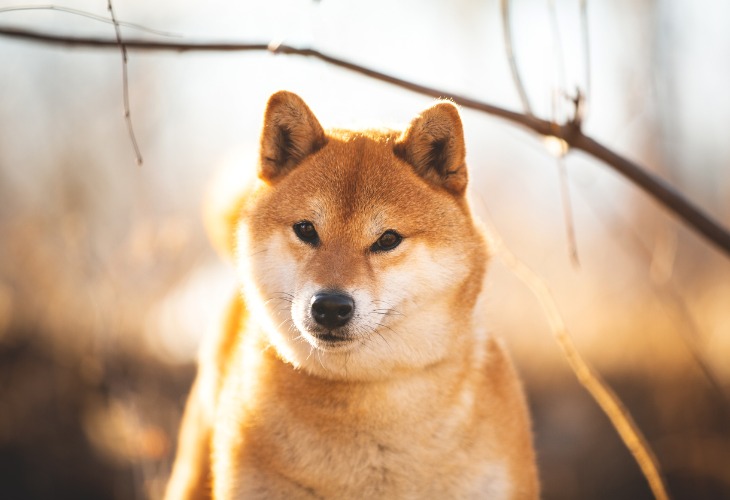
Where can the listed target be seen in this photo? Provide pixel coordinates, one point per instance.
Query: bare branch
(571, 132)
(658, 188)
(559, 58)
(125, 85)
(82, 13)
(586, 54)
(507, 30)
(568, 212)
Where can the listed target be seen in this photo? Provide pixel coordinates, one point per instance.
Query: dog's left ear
(291, 133)
(434, 146)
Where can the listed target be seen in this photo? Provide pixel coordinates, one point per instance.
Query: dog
(356, 362)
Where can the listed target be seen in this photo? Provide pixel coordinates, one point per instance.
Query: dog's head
(357, 250)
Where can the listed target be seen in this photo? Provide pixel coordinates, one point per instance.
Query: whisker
(383, 337)
(387, 328)
(258, 252)
(283, 323)
(388, 311)
(319, 358)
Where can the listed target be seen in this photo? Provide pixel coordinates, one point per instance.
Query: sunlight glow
(556, 146)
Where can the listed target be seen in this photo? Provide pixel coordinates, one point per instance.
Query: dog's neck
(411, 389)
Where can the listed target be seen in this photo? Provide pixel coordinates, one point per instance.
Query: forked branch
(571, 133)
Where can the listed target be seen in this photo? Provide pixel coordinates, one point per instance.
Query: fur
(411, 397)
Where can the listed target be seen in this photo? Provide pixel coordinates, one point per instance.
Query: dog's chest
(372, 454)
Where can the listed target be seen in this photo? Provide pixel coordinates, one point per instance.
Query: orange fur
(410, 397)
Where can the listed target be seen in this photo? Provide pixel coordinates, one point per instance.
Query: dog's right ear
(434, 146)
(291, 133)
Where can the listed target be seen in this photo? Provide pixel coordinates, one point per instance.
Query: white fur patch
(400, 312)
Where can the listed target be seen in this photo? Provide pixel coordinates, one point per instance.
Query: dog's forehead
(366, 187)
(361, 172)
(356, 185)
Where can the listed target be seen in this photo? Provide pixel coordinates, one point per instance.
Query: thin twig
(559, 57)
(507, 30)
(586, 56)
(125, 85)
(95, 17)
(611, 405)
(558, 115)
(517, 80)
(571, 133)
(568, 212)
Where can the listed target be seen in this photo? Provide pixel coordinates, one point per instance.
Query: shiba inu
(356, 362)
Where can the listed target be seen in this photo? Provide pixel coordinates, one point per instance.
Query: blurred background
(107, 282)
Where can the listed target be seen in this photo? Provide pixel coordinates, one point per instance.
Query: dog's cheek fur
(269, 280)
(424, 274)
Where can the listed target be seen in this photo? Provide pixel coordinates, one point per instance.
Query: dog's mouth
(330, 340)
(331, 337)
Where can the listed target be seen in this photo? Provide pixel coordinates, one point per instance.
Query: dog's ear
(291, 133)
(434, 146)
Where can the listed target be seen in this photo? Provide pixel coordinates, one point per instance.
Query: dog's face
(358, 251)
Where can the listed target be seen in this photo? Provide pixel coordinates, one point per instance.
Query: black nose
(332, 310)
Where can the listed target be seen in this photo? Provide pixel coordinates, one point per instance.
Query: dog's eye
(387, 241)
(305, 231)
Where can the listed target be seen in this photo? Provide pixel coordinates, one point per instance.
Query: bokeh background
(107, 282)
